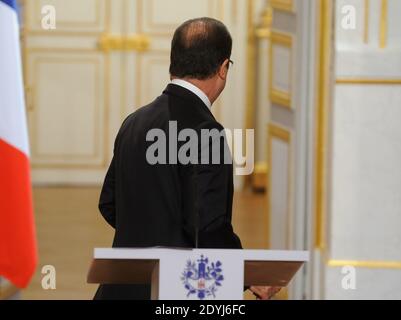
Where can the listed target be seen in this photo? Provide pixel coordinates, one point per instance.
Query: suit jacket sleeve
(215, 193)
(107, 197)
(107, 201)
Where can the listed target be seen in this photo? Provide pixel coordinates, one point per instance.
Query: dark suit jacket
(165, 205)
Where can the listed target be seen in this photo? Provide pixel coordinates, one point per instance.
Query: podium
(195, 274)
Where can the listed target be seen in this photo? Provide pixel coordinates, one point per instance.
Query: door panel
(69, 132)
(68, 89)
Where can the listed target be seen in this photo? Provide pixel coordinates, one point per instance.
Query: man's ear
(223, 71)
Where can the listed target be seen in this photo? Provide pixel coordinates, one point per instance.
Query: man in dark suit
(170, 203)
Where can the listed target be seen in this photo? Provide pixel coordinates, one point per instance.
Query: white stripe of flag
(13, 126)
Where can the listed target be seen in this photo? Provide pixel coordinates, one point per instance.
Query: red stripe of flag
(18, 254)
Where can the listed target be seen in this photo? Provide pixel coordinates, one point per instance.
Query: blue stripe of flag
(11, 3)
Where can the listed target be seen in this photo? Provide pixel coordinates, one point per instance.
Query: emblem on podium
(202, 278)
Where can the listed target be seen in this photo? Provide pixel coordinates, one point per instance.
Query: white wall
(364, 220)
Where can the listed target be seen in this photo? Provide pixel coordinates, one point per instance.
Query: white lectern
(195, 274)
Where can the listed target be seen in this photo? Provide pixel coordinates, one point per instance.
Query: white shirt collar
(194, 89)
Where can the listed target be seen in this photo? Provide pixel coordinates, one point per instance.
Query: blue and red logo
(202, 278)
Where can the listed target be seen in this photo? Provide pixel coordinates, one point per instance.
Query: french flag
(18, 252)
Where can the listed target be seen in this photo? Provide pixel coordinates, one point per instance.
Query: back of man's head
(199, 48)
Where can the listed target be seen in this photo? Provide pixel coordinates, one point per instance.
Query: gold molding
(278, 96)
(283, 134)
(282, 38)
(263, 33)
(250, 74)
(251, 68)
(260, 176)
(383, 24)
(279, 132)
(322, 106)
(365, 264)
(368, 81)
(265, 29)
(134, 42)
(283, 5)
